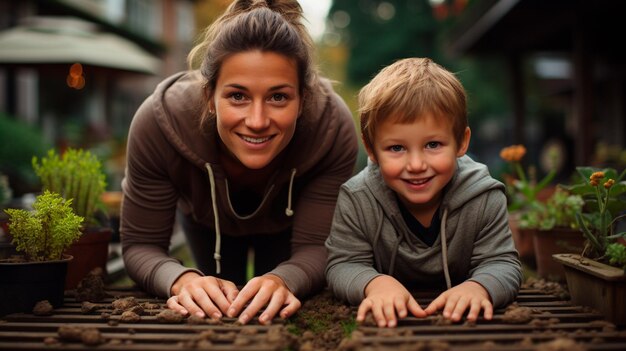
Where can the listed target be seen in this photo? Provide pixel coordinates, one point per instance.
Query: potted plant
(597, 276)
(41, 236)
(523, 192)
(555, 230)
(78, 175)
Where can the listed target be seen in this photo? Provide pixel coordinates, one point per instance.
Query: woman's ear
(467, 134)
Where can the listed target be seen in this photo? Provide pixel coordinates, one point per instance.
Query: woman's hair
(407, 90)
(265, 25)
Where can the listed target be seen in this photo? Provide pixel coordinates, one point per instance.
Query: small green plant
(603, 192)
(616, 254)
(44, 233)
(349, 326)
(559, 211)
(76, 175)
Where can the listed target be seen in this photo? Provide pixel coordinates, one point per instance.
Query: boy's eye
(433, 145)
(396, 148)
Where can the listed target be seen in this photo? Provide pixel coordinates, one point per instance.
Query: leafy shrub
(44, 233)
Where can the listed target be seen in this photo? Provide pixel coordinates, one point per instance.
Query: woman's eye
(279, 97)
(396, 148)
(237, 96)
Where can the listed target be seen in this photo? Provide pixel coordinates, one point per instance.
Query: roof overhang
(522, 26)
(53, 40)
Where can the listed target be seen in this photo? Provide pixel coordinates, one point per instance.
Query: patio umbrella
(60, 40)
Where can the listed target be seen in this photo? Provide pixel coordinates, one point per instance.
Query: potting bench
(553, 320)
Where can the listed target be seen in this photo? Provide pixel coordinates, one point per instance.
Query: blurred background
(547, 74)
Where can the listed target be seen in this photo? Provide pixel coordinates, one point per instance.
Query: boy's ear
(370, 153)
(465, 142)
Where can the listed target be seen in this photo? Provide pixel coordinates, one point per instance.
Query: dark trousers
(269, 250)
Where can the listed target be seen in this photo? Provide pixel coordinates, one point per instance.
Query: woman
(250, 151)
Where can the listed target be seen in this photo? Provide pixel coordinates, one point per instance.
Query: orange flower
(609, 183)
(596, 176)
(513, 153)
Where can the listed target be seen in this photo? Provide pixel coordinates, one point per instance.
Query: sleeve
(148, 207)
(303, 273)
(495, 262)
(350, 255)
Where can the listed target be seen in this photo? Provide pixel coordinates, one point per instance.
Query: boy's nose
(256, 118)
(415, 163)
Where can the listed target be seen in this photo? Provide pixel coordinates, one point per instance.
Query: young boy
(421, 214)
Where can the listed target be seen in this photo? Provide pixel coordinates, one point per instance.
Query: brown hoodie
(172, 162)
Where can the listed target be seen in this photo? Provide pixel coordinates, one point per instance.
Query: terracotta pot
(90, 251)
(596, 285)
(523, 240)
(549, 242)
(23, 284)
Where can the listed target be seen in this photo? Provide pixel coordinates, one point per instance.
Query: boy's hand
(385, 296)
(456, 300)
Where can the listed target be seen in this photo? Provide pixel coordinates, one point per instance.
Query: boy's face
(417, 159)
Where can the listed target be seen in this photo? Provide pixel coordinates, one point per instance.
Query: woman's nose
(257, 118)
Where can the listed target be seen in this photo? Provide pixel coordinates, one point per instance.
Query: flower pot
(523, 240)
(549, 242)
(90, 251)
(23, 284)
(596, 285)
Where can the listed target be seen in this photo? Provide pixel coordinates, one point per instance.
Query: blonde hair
(407, 90)
(265, 25)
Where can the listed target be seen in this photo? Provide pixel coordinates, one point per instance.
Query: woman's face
(257, 102)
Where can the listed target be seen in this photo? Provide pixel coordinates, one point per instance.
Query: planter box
(596, 285)
(549, 242)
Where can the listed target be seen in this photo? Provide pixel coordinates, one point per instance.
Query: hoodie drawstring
(218, 235)
(444, 249)
(288, 210)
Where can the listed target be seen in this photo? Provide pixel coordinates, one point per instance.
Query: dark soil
(91, 288)
(43, 308)
(323, 323)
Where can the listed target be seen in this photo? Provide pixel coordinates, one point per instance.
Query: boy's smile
(417, 160)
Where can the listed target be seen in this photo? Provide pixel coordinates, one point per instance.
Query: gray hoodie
(369, 238)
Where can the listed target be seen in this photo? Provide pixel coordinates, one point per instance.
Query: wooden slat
(556, 318)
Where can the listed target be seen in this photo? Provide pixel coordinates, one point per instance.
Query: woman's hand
(456, 300)
(201, 296)
(267, 290)
(386, 297)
